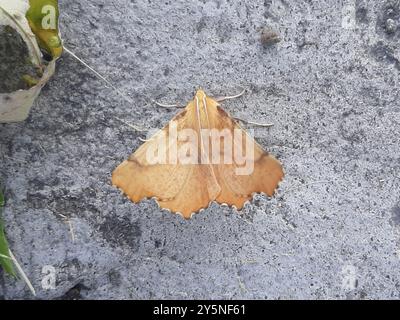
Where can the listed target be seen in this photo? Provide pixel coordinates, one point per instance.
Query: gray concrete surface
(331, 87)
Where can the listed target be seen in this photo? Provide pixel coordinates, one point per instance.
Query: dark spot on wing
(222, 112)
(180, 115)
(133, 159)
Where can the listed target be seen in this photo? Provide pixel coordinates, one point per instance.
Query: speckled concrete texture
(331, 88)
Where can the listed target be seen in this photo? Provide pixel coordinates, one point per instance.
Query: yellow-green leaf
(43, 19)
(5, 260)
(29, 80)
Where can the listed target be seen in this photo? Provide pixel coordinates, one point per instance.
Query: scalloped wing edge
(192, 214)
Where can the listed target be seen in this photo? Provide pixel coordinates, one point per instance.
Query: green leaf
(1, 200)
(5, 260)
(43, 19)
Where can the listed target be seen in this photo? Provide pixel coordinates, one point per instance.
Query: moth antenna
(100, 76)
(266, 125)
(134, 127)
(168, 106)
(220, 99)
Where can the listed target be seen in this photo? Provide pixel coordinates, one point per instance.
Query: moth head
(200, 94)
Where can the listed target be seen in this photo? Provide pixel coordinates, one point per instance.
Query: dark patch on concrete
(166, 71)
(361, 13)
(351, 133)
(395, 219)
(224, 30)
(62, 202)
(115, 277)
(350, 112)
(74, 293)
(121, 232)
(40, 183)
(388, 22)
(271, 7)
(201, 25)
(383, 53)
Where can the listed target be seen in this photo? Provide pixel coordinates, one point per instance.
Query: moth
(201, 155)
